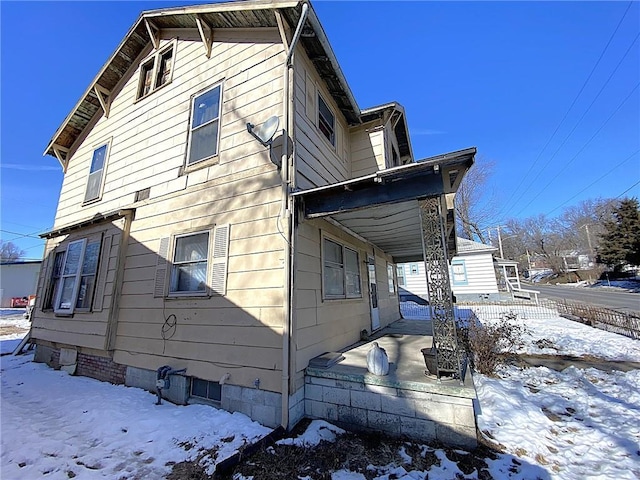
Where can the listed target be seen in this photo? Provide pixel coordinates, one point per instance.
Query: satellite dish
(264, 133)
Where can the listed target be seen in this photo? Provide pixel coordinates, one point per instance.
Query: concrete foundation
(404, 403)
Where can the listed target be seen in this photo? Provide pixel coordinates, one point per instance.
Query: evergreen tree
(620, 243)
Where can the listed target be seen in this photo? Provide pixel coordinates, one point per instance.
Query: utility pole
(586, 227)
(500, 240)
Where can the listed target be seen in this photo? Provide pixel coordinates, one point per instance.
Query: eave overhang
(236, 14)
(384, 208)
(96, 219)
(392, 112)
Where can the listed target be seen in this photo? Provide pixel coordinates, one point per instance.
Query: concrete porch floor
(406, 402)
(402, 340)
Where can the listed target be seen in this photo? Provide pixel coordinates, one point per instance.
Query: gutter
(288, 219)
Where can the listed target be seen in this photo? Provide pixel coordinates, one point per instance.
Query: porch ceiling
(384, 208)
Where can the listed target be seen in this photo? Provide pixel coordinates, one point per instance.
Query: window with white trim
(189, 266)
(156, 72)
(193, 264)
(400, 274)
(392, 285)
(54, 281)
(204, 129)
(459, 272)
(75, 282)
(96, 173)
(341, 271)
(326, 121)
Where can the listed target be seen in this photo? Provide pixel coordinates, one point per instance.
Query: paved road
(623, 301)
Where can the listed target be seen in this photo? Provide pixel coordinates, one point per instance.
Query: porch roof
(383, 208)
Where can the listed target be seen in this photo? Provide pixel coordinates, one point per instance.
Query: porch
(406, 402)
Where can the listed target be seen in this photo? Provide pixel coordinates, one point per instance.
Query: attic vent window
(156, 72)
(142, 194)
(326, 121)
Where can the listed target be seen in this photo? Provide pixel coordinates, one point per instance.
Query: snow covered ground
(572, 424)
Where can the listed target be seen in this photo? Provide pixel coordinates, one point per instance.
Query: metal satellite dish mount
(264, 133)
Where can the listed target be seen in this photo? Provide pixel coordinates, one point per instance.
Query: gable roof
(469, 246)
(235, 14)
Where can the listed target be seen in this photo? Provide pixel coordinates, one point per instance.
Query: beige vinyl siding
(330, 325)
(149, 136)
(367, 150)
(240, 332)
(83, 329)
(317, 161)
(481, 276)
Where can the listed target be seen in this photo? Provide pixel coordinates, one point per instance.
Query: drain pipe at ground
(287, 213)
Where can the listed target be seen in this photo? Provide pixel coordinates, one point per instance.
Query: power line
(21, 235)
(638, 182)
(580, 151)
(596, 181)
(570, 107)
(531, 182)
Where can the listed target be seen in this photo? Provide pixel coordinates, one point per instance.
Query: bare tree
(10, 252)
(475, 207)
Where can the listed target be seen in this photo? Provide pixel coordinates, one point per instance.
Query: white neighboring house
(18, 279)
(472, 274)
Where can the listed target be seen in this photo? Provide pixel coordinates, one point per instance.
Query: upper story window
(326, 121)
(204, 130)
(96, 174)
(156, 71)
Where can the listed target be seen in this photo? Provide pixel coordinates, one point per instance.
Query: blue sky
(500, 76)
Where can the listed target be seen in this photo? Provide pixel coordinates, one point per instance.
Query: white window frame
(98, 196)
(155, 61)
(173, 265)
(400, 268)
(77, 276)
(218, 119)
(320, 117)
(343, 265)
(390, 279)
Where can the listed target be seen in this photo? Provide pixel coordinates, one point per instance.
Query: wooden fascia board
(60, 129)
(342, 200)
(221, 7)
(206, 34)
(99, 218)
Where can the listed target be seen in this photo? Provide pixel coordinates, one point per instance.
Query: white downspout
(287, 217)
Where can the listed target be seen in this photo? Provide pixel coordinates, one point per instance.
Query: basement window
(206, 389)
(156, 71)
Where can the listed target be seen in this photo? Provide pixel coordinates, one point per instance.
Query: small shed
(17, 280)
(472, 274)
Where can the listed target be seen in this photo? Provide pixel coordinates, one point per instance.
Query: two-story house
(182, 240)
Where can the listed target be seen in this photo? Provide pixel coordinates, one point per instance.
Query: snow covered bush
(488, 345)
